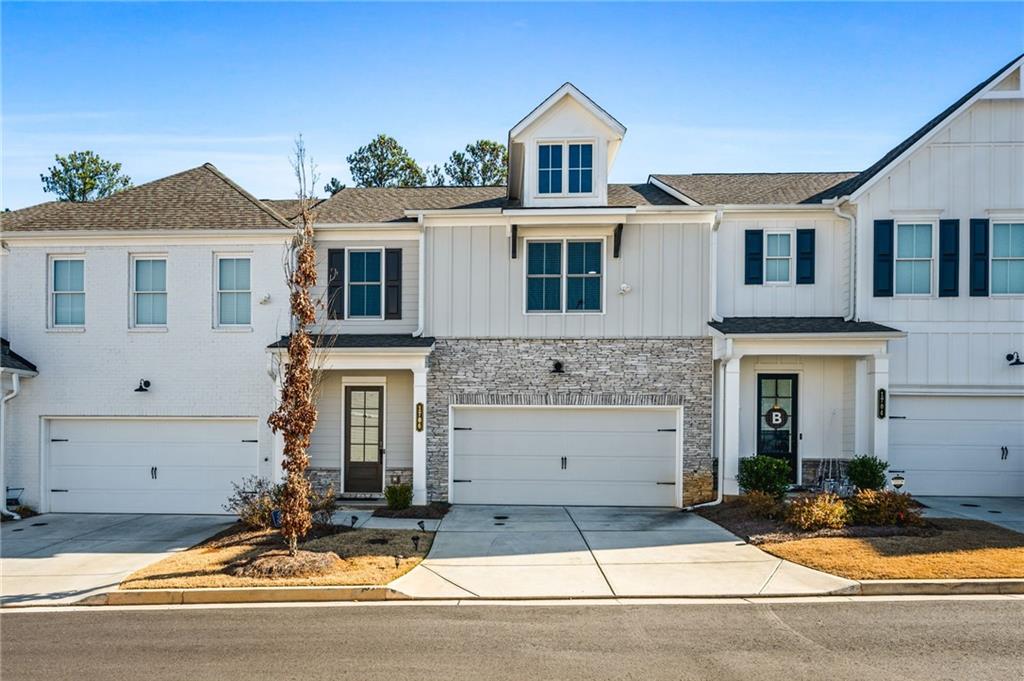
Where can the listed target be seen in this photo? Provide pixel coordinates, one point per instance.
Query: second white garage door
(955, 445)
(573, 456)
(148, 465)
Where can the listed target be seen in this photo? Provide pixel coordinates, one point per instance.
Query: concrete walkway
(577, 552)
(1006, 512)
(63, 557)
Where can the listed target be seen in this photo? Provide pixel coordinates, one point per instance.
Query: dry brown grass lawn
(367, 558)
(962, 549)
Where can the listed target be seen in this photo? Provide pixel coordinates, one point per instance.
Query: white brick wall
(195, 369)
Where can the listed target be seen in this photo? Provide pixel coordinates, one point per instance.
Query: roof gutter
(421, 294)
(852, 219)
(15, 389)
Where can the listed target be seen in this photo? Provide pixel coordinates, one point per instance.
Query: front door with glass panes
(364, 439)
(777, 433)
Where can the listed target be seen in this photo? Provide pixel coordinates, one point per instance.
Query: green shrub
(763, 505)
(322, 505)
(764, 474)
(887, 507)
(399, 497)
(253, 500)
(817, 512)
(867, 472)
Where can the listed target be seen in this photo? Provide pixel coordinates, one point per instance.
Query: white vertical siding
(475, 289)
(973, 165)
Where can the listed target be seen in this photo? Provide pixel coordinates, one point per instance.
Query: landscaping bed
(432, 511)
(364, 557)
(938, 548)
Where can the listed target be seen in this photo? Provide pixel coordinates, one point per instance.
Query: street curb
(300, 594)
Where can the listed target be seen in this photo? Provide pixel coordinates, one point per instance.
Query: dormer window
(555, 177)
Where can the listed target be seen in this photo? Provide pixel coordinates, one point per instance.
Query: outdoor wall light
(1014, 359)
(557, 368)
(143, 386)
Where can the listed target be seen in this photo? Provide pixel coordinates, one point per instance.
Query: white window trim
(132, 293)
(933, 270)
(564, 275)
(565, 142)
(51, 294)
(992, 256)
(348, 282)
(216, 292)
(791, 271)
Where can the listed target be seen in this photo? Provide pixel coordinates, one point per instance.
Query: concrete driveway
(1006, 512)
(62, 557)
(567, 552)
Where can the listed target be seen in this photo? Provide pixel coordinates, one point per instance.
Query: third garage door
(574, 456)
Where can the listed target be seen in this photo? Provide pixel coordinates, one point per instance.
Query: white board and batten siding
(828, 296)
(570, 456)
(147, 465)
(475, 289)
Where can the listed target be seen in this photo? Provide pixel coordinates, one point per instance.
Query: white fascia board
(148, 236)
(555, 212)
(933, 132)
(367, 232)
(451, 212)
(21, 372)
(671, 191)
(570, 90)
(823, 337)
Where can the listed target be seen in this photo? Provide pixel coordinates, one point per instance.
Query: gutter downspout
(421, 294)
(15, 388)
(713, 266)
(719, 429)
(852, 219)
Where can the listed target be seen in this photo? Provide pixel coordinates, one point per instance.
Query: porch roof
(13, 361)
(805, 326)
(368, 341)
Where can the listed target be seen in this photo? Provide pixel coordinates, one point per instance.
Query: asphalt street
(905, 640)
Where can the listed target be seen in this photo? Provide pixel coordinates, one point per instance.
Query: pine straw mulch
(943, 548)
(242, 557)
(432, 511)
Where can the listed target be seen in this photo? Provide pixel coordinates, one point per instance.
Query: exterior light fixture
(1014, 359)
(143, 386)
(898, 480)
(558, 368)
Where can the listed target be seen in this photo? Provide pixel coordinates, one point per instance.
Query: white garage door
(613, 457)
(148, 465)
(954, 445)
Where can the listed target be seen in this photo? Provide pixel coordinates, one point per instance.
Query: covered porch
(812, 391)
(372, 410)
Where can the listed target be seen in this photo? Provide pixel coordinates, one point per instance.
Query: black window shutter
(392, 283)
(805, 256)
(883, 275)
(336, 283)
(979, 256)
(949, 258)
(753, 269)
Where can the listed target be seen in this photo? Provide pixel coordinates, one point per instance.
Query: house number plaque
(419, 417)
(776, 417)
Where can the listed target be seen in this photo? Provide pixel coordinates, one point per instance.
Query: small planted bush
(764, 474)
(322, 505)
(253, 500)
(818, 512)
(867, 472)
(763, 505)
(887, 507)
(399, 497)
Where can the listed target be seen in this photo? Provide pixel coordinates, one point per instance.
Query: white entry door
(573, 456)
(148, 465)
(955, 445)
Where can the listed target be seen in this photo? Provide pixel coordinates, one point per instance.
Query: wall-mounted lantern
(143, 386)
(1014, 359)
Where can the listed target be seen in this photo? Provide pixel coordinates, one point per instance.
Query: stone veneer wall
(321, 477)
(648, 371)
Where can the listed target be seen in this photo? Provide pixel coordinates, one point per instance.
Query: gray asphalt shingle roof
(12, 360)
(363, 340)
(753, 188)
(200, 198)
(812, 325)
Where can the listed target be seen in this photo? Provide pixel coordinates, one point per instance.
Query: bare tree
(297, 413)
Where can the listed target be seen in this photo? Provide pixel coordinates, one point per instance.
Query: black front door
(777, 432)
(364, 439)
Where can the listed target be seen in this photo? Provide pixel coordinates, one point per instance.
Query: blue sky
(700, 87)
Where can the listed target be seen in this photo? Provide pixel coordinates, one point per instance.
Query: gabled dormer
(560, 155)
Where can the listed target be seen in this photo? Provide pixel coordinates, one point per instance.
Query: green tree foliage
(483, 163)
(84, 176)
(333, 186)
(435, 176)
(384, 163)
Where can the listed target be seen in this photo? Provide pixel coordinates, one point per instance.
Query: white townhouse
(561, 340)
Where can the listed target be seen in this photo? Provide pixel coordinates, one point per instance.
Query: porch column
(862, 408)
(731, 425)
(277, 455)
(419, 436)
(879, 379)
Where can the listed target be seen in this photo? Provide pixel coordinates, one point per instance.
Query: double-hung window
(1008, 258)
(913, 259)
(149, 291)
(778, 257)
(67, 291)
(234, 291)
(570, 266)
(365, 289)
(555, 176)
